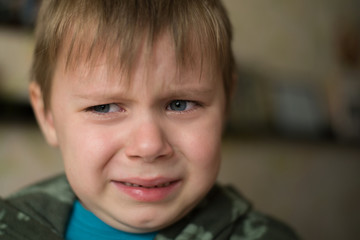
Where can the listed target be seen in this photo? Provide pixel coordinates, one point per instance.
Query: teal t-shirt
(84, 224)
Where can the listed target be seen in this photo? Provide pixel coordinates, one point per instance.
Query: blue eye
(102, 108)
(105, 108)
(178, 105)
(181, 105)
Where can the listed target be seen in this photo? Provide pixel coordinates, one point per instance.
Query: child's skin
(110, 133)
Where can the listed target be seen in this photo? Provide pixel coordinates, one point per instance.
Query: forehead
(90, 62)
(157, 66)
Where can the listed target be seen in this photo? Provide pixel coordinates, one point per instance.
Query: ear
(43, 116)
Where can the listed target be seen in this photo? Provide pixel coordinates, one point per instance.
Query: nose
(148, 142)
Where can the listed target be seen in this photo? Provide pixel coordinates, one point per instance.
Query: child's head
(118, 28)
(134, 93)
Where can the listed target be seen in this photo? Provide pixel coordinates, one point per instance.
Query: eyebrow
(191, 92)
(122, 94)
(104, 96)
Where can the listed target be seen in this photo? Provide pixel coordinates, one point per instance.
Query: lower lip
(142, 194)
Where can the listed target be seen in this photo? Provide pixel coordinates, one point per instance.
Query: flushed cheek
(201, 148)
(91, 142)
(86, 154)
(202, 154)
(204, 139)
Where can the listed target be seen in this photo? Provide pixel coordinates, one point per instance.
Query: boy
(135, 94)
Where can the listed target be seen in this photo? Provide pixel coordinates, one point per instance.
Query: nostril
(149, 153)
(148, 140)
(148, 143)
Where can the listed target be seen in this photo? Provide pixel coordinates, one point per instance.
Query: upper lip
(148, 182)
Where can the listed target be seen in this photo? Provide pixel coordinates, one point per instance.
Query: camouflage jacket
(41, 212)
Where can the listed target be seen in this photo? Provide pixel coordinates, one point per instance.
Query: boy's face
(139, 156)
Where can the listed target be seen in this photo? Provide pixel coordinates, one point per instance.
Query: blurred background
(292, 144)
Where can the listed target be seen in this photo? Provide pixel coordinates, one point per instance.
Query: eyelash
(194, 106)
(168, 106)
(109, 105)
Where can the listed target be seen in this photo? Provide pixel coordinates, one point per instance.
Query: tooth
(163, 185)
(138, 185)
(131, 184)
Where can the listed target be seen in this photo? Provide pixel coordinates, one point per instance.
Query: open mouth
(149, 191)
(162, 185)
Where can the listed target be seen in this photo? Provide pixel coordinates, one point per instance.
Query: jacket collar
(51, 202)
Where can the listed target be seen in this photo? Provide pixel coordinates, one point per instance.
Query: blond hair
(200, 25)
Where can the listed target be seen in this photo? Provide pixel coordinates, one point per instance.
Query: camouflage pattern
(41, 212)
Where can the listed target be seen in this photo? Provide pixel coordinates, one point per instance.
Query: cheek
(86, 150)
(87, 154)
(202, 143)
